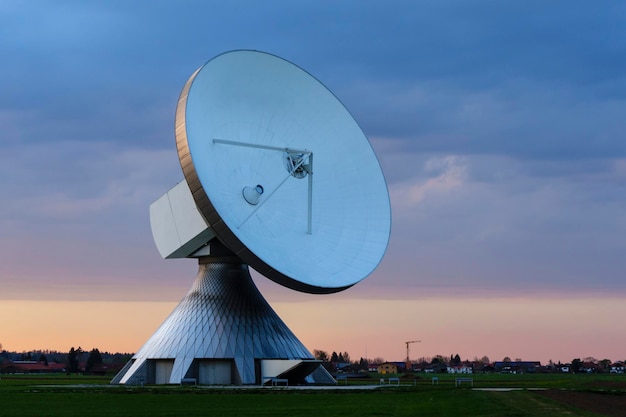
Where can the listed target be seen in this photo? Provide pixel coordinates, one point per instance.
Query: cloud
(77, 180)
(442, 175)
(488, 223)
(518, 118)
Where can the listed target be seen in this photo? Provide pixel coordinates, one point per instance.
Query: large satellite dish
(278, 176)
(281, 172)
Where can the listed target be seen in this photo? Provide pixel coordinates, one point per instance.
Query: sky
(499, 127)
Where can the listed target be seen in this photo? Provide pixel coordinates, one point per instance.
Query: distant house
(463, 368)
(486, 368)
(617, 368)
(343, 366)
(31, 367)
(387, 368)
(421, 366)
(590, 367)
(517, 367)
(437, 368)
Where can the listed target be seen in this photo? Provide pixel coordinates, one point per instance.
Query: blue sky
(499, 126)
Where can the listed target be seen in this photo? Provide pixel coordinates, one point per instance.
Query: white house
(617, 368)
(460, 369)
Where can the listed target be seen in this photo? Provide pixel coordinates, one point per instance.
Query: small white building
(617, 368)
(460, 369)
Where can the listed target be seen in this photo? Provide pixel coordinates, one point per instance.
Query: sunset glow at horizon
(527, 328)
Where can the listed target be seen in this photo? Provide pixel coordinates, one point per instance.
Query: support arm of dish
(258, 146)
(308, 166)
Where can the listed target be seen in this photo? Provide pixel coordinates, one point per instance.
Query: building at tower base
(223, 332)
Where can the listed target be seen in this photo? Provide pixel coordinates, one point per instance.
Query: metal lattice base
(222, 332)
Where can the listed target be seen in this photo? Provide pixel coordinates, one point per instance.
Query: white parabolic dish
(235, 118)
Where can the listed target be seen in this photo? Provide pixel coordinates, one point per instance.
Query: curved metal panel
(241, 119)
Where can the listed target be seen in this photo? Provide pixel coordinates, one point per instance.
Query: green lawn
(84, 396)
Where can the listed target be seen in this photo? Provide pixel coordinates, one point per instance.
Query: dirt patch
(609, 404)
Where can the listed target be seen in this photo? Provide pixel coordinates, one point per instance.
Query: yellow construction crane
(408, 360)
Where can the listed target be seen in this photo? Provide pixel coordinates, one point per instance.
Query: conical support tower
(223, 332)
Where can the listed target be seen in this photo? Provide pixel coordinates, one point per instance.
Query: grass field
(564, 395)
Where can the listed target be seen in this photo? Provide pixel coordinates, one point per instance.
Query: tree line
(75, 360)
(576, 364)
(75, 356)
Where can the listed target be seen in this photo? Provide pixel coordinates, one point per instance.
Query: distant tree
(334, 357)
(43, 359)
(438, 359)
(518, 359)
(455, 360)
(506, 359)
(346, 357)
(73, 360)
(576, 365)
(378, 360)
(94, 358)
(320, 355)
(363, 364)
(480, 363)
(605, 364)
